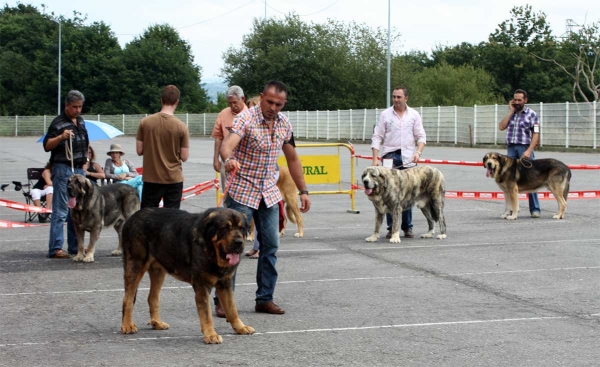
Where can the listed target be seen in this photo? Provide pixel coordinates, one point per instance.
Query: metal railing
(562, 124)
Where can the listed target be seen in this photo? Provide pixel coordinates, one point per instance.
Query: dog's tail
(290, 214)
(566, 193)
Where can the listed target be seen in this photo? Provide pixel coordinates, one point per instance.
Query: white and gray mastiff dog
(393, 190)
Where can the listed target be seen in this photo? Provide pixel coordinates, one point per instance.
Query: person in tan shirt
(236, 100)
(163, 141)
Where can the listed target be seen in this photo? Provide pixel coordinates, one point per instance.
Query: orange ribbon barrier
(466, 163)
(23, 207)
(8, 224)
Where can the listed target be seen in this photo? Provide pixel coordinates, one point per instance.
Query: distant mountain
(214, 86)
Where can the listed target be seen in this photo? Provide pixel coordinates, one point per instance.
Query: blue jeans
(60, 211)
(266, 221)
(407, 213)
(516, 151)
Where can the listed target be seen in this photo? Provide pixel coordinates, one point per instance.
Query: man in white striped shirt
(395, 134)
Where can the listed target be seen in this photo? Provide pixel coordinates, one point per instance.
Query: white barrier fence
(562, 124)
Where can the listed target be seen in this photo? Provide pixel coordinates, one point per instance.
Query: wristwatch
(227, 160)
(304, 192)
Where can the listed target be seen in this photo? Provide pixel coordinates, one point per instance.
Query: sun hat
(115, 148)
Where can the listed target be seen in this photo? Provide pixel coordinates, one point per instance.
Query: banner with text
(318, 169)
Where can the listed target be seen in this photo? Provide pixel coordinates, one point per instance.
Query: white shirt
(397, 132)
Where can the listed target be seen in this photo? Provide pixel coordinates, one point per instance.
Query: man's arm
(216, 161)
(139, 147)
(535, 139)
(504, 122)
(184, 154)
(295, 167)
(226, 151)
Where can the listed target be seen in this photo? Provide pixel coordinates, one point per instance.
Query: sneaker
(388, 235)
(409, 233)
(535, 214)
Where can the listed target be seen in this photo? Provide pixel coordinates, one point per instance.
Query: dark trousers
(406, 213)
(170, 194)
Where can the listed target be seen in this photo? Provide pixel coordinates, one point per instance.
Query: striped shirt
(521, 127)
(257, 154)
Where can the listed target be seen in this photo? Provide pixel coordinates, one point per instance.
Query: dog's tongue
(72, 202)
(487, 172)
(233, 258)
(368, 191)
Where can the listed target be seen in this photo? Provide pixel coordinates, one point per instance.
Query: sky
(211, 27)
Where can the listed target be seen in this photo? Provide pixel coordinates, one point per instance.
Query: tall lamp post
(389, 66)
(59, 58)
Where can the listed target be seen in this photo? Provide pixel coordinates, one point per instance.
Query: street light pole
(59, 61)
(389, 66)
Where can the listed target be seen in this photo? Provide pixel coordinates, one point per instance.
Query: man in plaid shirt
(523, 136)
(250, 154)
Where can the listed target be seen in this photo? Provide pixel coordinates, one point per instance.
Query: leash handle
(229, 181)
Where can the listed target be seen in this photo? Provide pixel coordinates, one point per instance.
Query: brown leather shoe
(60, 254)
(220, 311)
(269, 307)
(409, 234)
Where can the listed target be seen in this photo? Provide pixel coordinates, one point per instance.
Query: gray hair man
(236, 101)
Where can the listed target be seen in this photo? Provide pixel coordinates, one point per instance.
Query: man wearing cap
(67, 140)
(163, 140)
(117, 169)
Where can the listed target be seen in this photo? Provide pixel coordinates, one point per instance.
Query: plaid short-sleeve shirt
(257, 154)
(521, 127)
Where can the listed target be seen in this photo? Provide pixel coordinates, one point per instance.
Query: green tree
(446, 85)
(325, 66)
(157, 58)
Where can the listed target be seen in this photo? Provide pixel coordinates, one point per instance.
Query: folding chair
(33, 175)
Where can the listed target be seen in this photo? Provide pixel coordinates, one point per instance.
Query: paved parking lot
(494, 293)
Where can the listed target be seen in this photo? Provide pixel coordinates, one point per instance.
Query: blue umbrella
(97, 131)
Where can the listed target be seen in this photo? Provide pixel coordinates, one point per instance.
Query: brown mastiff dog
(200, 249)
(519, 175)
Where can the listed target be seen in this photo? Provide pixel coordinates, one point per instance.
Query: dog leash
(523, 160)
(229, 181)
(69, 152)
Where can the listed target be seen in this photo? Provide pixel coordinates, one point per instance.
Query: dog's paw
(503, 216)
(441, 236)
(395, 238)
(158, 325)
(116, 253)
(129, 329)
(78, 257)
(298, 235)
(245, 330)
(373, 238)
(428, 235)
(511, 217)
(556, 216)
(213, 339)
(88, 259)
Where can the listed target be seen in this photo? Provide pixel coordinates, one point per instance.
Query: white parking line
(332, 330)
(330, 280)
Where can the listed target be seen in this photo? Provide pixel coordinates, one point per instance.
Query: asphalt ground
(494, 293)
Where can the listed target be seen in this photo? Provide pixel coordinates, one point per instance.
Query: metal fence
(562, 124)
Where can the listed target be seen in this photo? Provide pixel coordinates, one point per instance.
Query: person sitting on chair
(118, 169)
(43, 188)
(92, 169)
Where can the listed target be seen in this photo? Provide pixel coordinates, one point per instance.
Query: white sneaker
(535, 215)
